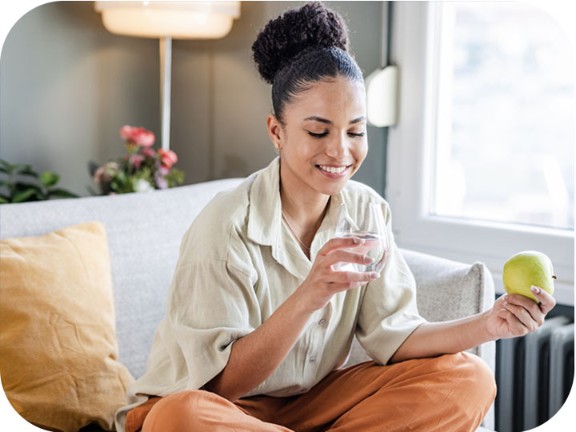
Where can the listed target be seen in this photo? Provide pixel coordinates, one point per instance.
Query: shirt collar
(265, 213)
(265, 221)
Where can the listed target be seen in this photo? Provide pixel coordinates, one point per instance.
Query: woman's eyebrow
(358, 120)
(326, 121)
(318, 119)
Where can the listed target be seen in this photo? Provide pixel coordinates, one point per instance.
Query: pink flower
(149, 152)
(143, 168)
(137, 135)
(167, 157)
(99, 175)
(106, 172)
(136, 160)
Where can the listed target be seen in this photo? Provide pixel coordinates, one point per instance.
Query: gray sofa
(144, 232)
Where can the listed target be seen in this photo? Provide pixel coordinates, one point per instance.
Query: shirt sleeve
(212, 302)
(388, 312)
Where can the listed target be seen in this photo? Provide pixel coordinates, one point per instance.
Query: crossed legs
(447, 393)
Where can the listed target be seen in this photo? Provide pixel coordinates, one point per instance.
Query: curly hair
(300, 47)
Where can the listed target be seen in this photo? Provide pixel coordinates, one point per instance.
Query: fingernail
(368, 260)
(535, 289)
(358, 240)
(374, 275)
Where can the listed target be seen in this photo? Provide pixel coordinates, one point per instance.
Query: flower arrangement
(142, 169)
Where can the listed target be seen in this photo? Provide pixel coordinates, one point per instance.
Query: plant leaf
(61, 193)
(25, 195)
(26, 170)
(20, 186)
(49, 178)
(6, 167)
(17, 169)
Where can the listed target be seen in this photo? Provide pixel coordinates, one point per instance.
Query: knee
(177, 412)
(475, 376)
(480, 375)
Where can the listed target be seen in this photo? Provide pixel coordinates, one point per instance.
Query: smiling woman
(322, 143)
(265, 302)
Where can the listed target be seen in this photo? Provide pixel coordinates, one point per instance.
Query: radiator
(534, 375)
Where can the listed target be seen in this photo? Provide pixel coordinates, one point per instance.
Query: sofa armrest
(448, 289)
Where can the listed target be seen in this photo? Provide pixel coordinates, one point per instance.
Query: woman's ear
(274, 131)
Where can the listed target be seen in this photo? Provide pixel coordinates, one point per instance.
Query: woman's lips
(333, 171)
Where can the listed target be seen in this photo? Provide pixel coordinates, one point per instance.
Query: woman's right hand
(324, 281)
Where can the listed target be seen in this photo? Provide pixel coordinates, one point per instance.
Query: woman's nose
(338, 146)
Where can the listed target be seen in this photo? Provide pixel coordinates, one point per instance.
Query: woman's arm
(511, 316)
(256, 356)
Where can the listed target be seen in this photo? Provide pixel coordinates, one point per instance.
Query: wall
(67, 86)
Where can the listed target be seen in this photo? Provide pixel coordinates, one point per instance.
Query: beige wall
(67, 86)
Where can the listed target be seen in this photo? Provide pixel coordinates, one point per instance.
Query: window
(504, 102)
(481, 163)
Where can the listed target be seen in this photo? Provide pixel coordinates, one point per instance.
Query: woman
(260, 321)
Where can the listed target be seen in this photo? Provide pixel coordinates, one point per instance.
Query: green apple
(525, 269)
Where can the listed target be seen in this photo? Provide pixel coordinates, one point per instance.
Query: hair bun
(297, 30)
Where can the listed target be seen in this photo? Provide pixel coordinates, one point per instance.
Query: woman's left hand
(515, 315)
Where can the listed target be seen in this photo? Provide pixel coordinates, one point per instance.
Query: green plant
(20, 183)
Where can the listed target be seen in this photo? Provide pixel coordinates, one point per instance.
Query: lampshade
(179, 20)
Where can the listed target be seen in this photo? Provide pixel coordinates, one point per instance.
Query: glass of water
(370, 227)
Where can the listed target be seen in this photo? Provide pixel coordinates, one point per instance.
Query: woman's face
(322, 142)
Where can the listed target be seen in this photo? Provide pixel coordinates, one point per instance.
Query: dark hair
(301, 47)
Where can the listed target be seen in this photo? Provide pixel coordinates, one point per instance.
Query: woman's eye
(356, 134)
(318, 135)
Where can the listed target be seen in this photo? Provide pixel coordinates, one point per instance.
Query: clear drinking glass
(371, 228)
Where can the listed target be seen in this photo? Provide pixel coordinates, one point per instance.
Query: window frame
(410, 165)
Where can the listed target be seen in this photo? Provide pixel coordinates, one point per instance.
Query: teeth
(332, 170)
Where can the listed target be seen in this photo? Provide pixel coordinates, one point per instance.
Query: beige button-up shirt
(238, 263)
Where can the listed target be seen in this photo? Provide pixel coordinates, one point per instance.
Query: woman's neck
(303, 215)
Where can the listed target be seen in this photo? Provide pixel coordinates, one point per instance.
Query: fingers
(325, 271)
(337, 243)
(354, 278)
(514, 326)
(527, 312)
(547, 302)
(348, 277)
(348, 256)
(522, 316)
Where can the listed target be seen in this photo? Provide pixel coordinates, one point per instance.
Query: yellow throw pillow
(58, 347)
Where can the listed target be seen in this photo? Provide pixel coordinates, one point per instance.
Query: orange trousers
(451, 393)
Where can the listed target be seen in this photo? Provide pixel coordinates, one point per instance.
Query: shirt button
(312, 359)
(322, 322)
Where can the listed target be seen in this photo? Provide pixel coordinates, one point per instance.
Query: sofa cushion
(144, 232)
(57, 329)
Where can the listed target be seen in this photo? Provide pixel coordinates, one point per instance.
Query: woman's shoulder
(226, 208)
(217, 228)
